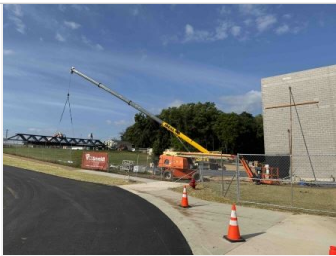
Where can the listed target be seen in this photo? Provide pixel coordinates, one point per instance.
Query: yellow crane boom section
(184, 137)
(142, 110)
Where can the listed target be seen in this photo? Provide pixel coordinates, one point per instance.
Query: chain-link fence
(296, 182)
(218, 179)
(138, 163)
(70, 155)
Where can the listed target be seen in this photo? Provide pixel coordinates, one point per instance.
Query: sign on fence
(95, 161)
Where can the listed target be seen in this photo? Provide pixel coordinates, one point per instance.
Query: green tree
(227, 128)
(143, 132)
(203, 123)
(260, 148)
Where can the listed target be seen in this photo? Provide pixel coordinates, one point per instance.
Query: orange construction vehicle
(177, 166)
(261, 174)
(180, 165)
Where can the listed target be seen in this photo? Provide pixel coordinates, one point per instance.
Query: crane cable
(303, 136)
(182, 143)
(67, 101)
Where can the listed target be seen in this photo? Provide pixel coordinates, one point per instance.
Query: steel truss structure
(56, 141)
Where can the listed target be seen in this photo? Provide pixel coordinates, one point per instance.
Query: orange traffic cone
(233, 232)
(184, 201)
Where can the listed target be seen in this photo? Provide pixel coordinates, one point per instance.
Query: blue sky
(157, 55)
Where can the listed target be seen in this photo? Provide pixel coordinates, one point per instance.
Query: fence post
(71, 163)
(237, 168)
(291, 179)
(43, 153)
(201, 171)
(222, 172)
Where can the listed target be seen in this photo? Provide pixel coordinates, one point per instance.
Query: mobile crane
(177, 166)
(174, 165)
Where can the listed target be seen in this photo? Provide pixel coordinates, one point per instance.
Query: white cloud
(282, 29)
(251, 9)
(221, 30)
(287, 16)
(61, 7)
(248, 22)
(290, 29)
(99, 47)
(169, 39)
(249, 102)
(195, 35)
(59, 37)
(92, 45)
(85, 40)
(265, 22)
(176, 103)
(220, 33)
(71, 24)
(34, 129)
(235, 30)
(224, 10)
(189, 30)
(135, 11)
(80, 7)
(15, 9)
(121, 122)
(298, 28)
(225, 28)
(20, 26)
(8, 52)
(15, 14)
(108, 122)
(43, 130)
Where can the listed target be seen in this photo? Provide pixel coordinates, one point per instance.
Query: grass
(60, 171)
(321, 200)
(73, 158)
(313, 198)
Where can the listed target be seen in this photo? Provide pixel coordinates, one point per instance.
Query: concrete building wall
(318, 121)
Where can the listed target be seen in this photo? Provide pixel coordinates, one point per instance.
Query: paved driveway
(45, 214)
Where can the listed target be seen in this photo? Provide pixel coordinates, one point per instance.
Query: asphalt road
(44, 214)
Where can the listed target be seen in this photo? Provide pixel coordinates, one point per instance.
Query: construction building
(304, 103)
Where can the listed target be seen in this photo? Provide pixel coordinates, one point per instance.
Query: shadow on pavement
(252, 235)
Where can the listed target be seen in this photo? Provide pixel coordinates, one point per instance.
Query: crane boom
(144, 111)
